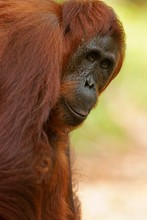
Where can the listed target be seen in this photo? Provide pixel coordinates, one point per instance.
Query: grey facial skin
(90, 69)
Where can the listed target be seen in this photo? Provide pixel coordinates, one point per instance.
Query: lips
(75, 112)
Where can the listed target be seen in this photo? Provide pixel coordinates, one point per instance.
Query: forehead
(104, 43)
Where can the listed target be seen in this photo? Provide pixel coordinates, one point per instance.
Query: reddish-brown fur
(35, 176)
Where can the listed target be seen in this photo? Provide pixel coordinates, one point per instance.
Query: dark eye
(105, 64)
(92, 56)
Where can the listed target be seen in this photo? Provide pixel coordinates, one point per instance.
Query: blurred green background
(119, 117)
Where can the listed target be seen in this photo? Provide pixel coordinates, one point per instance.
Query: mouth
(75, 112)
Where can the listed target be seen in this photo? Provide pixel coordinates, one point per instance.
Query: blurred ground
(114, 187)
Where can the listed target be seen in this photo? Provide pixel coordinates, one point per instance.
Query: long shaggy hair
(35, 174)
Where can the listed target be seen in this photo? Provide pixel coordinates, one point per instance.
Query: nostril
(86, 83)
(89, 83)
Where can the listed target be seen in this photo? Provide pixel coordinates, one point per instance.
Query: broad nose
(89, 82)
(87, 95)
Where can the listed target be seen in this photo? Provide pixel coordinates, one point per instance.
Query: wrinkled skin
(90, 70)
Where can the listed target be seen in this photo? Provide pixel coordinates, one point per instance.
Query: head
(94, 53)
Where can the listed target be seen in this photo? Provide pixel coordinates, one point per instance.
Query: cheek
(103, 79)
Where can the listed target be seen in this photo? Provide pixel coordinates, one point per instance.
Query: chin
(72, 120)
